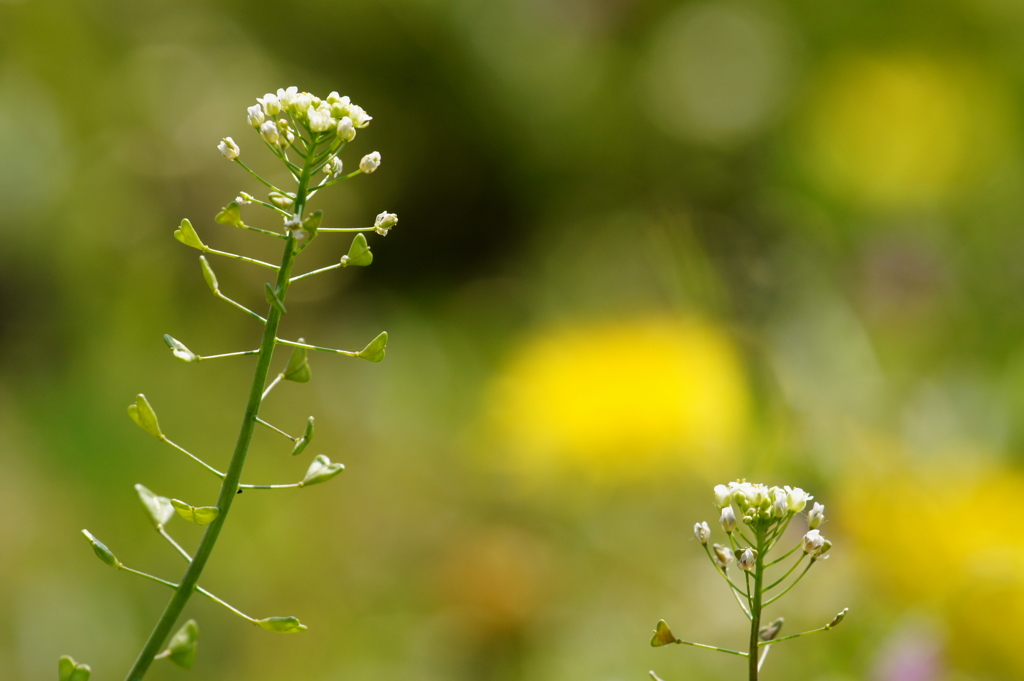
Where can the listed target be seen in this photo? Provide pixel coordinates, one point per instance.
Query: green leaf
(186, 234)
(101, 550)
(230, 214)
(374, 352)
(182, 647)
(179, 350)
(72, 671)
(144, 416)
(306, 438)
(283, 625)
(321, 470)
(208, 275)
(662, 635)
(158, 508)
(359, 254)
(298, 366)
(200, 515)
(274, 300)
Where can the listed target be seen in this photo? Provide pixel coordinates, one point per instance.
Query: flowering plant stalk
(306, 134)
(766, 512)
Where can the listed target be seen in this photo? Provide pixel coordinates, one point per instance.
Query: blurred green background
(645, 247)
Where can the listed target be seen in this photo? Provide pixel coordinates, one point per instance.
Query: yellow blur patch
(623, 400)
(902, 131)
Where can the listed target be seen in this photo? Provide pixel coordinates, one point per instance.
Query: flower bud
(816, 516)
(269, 133)
(255, 115)
(728, 519)
(319, 121)
(228, 148)
(780, 507)
(181, 649)
(722, 496)
(723, 556)
(359, 117)
(346, 130)
(838, 618)
(702, 532)
(101, 550)
(334, 98)
(384, 222)
(812, 542)
(747, 559)
(370, 162)
(271, 104)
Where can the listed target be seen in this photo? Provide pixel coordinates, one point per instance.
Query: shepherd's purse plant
(306, 134)
(766, 512)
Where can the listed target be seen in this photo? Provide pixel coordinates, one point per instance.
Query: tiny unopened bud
(702, 532)
(723, 497)
(838, 618)
(269, 133)
(723, 556)
(346, 130)
(384, 222)
(255, 115)
(101, 550)
(812, 542)
(370, 162)
(229, 149)
(816, 516)
(728, 519)
(747, 559)
(334, 97)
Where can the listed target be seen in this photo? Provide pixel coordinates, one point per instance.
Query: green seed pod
(101, 550)
(208, 275)
(231, 214)
(186, 234)
(298, 366)
(73, 671)
(283, 625)
(144, 416)
(662, 635)
(838, 618)
(159, 509)
(274, 300)
(374, 352)
(179, 350)
(321, 470)
(200, 515)
(359, 254)
(306, 438)
(181, 650)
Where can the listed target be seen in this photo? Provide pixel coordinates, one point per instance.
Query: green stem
(784, 556)
(310, 274)
(229, 488)
(781, 579)
(792, 636)
(707, 647)
(755, 604)
(794, 583)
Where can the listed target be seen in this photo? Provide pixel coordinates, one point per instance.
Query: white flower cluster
(766, 508)
(320, 116)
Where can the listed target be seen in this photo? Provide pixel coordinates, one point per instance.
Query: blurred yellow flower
(892, 132)
(623, 399)
(943, 538)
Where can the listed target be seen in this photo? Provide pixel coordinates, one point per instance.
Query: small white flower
(229, 149)
(334, 167)
(271, 104)
(269, 133)
(797, 498)
(702, 532)
(287, 96)
(370, 162)
(722, 496)
(816, 516)
(812, 542)
(346, 131)
(255, 116)
(384, 222)
(728, 519)
(319, 121)
(243, 199)
(780, 507)
(301, 103)
(723, 556)
(360, 118)
(747, 559)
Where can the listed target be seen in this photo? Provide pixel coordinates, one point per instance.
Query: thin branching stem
(349, 353)
(193, 457)
(707, 647)
(319, 271)
(794, 583)
(235, 256)
(256, 175)
(275, 429)
(200, 358)
(241, 307)
(784, 556)
(781, 579)
(277, 379)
